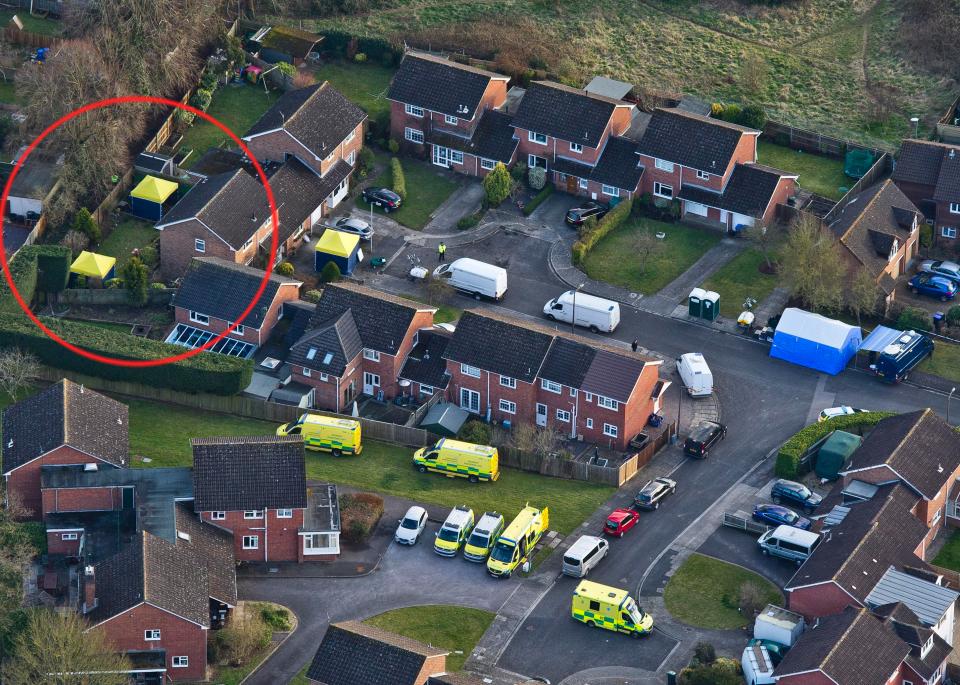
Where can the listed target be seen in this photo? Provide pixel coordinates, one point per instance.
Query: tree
(750, 599)
(646, 245)
(136, 278)
(546, 440)
(763, 237)
(864, 294)
(58, 643)
(84, 223)
(754, 74)
(812, 266)
(496, 185)
(438, 291)
(76, 241)
(245, 634)
(18, 371)
(330, 273)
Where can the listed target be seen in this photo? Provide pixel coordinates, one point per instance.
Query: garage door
(695, 209)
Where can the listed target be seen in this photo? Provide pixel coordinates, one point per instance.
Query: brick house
(275, 518)
(425, 367)
(63, 424)
(507, 370)
(450, 113)
(929, 174)
(710, 167)
(877, 229)
(356, 342)
(353, 653)
(213, 295)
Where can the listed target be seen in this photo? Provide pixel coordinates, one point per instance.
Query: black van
(898, 358)
(703, 437)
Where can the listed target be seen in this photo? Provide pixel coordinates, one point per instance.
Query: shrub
(753, 116)
(285, 269)
(359, 514)
(393, 146)
(81, 281)
(518, 171)
(953, 316)
(330, 273)
(470, 220)
(399, 181)
(76, 241)
(537, 200)
(208, 79)
(730, 112)
(84, 223)
(360, 57)
(788, 458)
(150, 256)
(476, 432)
(720, 672)
(578, 252)
(312, 295)
(589, 225)
(113, 283)
(136, 277)
(276, 617)
(914, 319)
(366, 158)
(245, 634)
(158, 285)
(704, 653)
(537, 177)
(201, 99)
(496, 185)
(287, 69)
(53, 268)
(24, 271)
(750, 599)
(184, 118)
(613, 219)
(926, 235)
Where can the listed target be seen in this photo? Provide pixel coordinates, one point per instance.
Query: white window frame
(413, 110)
(955, 207)
(284, 513)
(180, 661)
(576, 147)
(306, 372)
(610, 430)
(589, 422)
(350, 136)
(937, 516)
(413, 135)
(584, 184)
(610, 191)
(508, 382)
(573, 392)
(551, 386)
(663, 165)
(471, 371)
(532, 161)
(151, 634)
(218, 516)
(202, 319)
(426, 389)
(447, 119)
(238, 330)
(68, 536)
(658, 190)
(352, 157)
(199, 245)
(563, 415)
(487, 164)
(455, 156)
(948, 231)
(588, 397)
(372, 355)
(538, 138)
(703, 175)
(251, 542)
(252, 514)
(323, 377)
(607, 403)
(508, 407)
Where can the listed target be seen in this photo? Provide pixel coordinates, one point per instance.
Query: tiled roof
(382, 319)
(613, 375)
(353, 653)
(932, 164)
(318, 116)
(748, 192)
(455, 679)
(425, 363)
(65, 414)
(618, 165)
(566, 113)
(223, 289)
(491, 139)
(214, 547)
(509, 349)
(338, 338)
(439, 85)
(948, 182)
(299, 190)
(919, 446)
(693, 140)
(567, 362)
(246, 473)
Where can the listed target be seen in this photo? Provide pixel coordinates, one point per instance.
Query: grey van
(789, 543)
(583, 555)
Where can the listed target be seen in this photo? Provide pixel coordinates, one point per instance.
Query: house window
(588, 396)
(413, 135)
(456, 157)
(563, 415)
(508, 407)
(573, 392)
(610, 190)
(413, 110)
(251, 542)
(607, 403)
(426, 390)
(180, 662)
(200, 245)
(533, 160)
(487, 164)
(584, 183)
(610, 430)
(247, 244)
(330, 156)
(538, 138)
(936, 516)
(306, 372)
(238, 330)
(218, 515)
(323, 377)
(352, 157)
(948, 231)
(576, 147)
(703, 175)
(508, 382)
(471, 371)
(316, 541)
(350, 136)
(197, 317)
(663, 190)
(664, 165)
(151, 634)
(253, 514)
(284, 513)
(955, 207)
(589, 423)
(451, 120)
(550, 386)
(68, 536)
(372, 355)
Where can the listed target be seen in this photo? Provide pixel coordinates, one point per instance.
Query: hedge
(538, 200)
(613, 220)
(24, 269)
(207, 372)
(792, 451)
(399, 180)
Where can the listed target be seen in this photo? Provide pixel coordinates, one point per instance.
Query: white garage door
(695, 209)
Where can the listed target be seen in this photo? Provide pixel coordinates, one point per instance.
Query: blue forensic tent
(814, 341)
(338, 247)
(146, 200)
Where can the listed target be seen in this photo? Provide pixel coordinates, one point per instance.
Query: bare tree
(438, 291)
(764, 237)
(863, 298)
(750, 599)
(76, 241)
(646, 246)
(18, 371)
(812, 266)
(754, 74)
(546, 440)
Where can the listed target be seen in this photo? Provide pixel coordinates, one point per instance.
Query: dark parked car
(933, 286)
(655, 490)
(577, 215)
(384, 198)
(776, 515)
(796, 494)
(703, 437)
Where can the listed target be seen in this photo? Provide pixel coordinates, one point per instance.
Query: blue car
(934, 286)
(780, 516)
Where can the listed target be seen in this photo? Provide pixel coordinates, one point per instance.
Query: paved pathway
(463, 201)
(665, 301)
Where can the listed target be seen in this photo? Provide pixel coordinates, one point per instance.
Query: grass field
(704, 592)
(821, 175)
(32, 23)
(945, 362)
(106, 325)
(426, 190)
(447, 627)
(739, 279)
(445, 313)
(949, 555)
(364, 84)
(129, 235)
(8, 93)
(236, 106)
(679, 250)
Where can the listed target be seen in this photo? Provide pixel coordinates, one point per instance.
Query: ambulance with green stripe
(328, 433)
(517, 541)
(607, 607)
(456, 458)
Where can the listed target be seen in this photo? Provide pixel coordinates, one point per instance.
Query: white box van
(592, 312)
(583, 555)
(790, 543)
(695, 374)
(474, 277)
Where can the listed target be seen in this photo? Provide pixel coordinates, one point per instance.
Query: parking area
(930, 304)
(739, 547)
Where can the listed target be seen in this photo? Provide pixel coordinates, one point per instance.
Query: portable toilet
(710, 309)
(835, 453)
(695, 302)
(343, 249)
(148, 198)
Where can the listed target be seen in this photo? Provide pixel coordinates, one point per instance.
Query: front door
(441, 156)
(541, 414)
(572, 183)
(371, 382)
(470, 400)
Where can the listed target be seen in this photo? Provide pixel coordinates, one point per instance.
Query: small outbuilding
(814, 341)
(150, 195)
(97, 268)
(445, 419)
(343, 249)
(835, 453)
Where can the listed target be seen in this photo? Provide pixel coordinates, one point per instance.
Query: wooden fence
(812, 141)
(880, 170)
(948, 128)
(115, 296)
(102, 212)
(33, 40)
(167, 127)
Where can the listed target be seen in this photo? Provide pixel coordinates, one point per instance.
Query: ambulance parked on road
(329, 433)
(456, 458)
(483, 537)
(517, 541)
(607, 607)
(454, 531)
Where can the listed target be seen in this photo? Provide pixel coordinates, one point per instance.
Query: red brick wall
(620, 119)
(592, 190)
(277, 145)
(278, 538)
(256, 336)
(817, 601)
(744, 153)
(177, 247)
(524, 394)
(25, 481)
(786, 187)
(178, 637)
(651, 174)
(81, 499)
(715, 182)
(68, 548)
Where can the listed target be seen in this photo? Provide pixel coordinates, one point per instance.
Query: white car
(356, 226)
(411, 526)
(834, 412)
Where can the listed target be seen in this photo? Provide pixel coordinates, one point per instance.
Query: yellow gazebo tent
(336, 246)
(146, 200)
(93, 265)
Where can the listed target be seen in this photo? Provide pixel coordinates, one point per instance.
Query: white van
(474, 277)
(583, 555)
(790, 543)
(592, 312)
(695, 374)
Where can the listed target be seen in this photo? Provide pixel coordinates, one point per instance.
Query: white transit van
(595, 313)
(695, 374)
(474, 277)
(583, 555)
(790, 543)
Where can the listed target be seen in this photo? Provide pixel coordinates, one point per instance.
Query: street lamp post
(573, 318)
(950, 397)
(916, 125)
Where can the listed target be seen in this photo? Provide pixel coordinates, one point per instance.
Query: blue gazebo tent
(343, 249)
(147, 199)
(814, 341)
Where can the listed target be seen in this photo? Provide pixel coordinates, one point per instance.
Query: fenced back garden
(818, 173)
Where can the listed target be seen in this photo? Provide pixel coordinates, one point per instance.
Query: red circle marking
(114, 361)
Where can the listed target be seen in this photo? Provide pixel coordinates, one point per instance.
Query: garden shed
(445, 419)
(814, 341)
(95, 267)
(835, 453)
(343, 249)
(150, 195)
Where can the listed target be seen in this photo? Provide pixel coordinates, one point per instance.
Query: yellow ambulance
(483, 537)
(457, 458)
(517, 541)
(607, 607)
(331, 434)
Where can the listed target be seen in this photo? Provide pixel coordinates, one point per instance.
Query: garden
(739, 279)
(238, 648)
(128, 235)
(818, 174)
(422, 187)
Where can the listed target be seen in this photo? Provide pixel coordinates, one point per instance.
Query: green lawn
(301, 677)
(821, 175)
(949, 556)
(236, 106)
(106, 325)
(704, 592)
(426, 190)
(31, 23)
(8, 93)
(447, 627)
(445, 312)
(129, 235)
(679, 250)
(945, 362)
(364, 84)
(739, 279)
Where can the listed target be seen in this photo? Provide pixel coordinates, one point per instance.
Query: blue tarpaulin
(879, 338)
(814, 341)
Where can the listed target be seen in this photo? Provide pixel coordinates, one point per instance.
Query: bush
(704, 653)
(360, 57)
(496, 185)
(399, 180)
(537, 200)
(150, 256)
(53, 268)
(285, 269)
(208, 79)
(613, 219)
(330, 273)
(276, 617)
(366, 158)
(245, 634)
(914, 319)
(184, 118)
(537, 177)
(518, 171)
(788, 458)
(470, 220)
(359, 514)
(201, 99)
(953, 316)
(730, 112)
(926, 235)
(476, 432)
(24, 269)
(393, 146)
(287, 69)
(113, 283)
(158, 285)
(84, 223)
(312, 296)
(752, 116)
(720, 672)
(136, 278)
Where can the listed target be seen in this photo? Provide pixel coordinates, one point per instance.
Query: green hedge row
(792, 451)
(23, 268)
(399, 180)
(207, 372)
(588, 238)
(538, 199)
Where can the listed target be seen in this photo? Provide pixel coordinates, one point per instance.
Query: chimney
(89, 590)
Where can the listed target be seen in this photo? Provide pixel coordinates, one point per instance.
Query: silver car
(949, 270)
(356, 226)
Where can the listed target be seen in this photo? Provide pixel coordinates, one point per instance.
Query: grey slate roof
(337, 337)
(566, 113)
(353, 653)
(298, 191)
(612, 375)
(245, 473)
(498, 346)
(693, 140)
(491, 139)
(748, 191)
(440, 85)
(567, 362)
(617, 166)
(65, 414)
(425, 363)
(932, 164)
(318, 116)
(223, 289)
(214, 547)
(927, 600)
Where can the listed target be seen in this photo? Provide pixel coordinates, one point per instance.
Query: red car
(620, 521)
